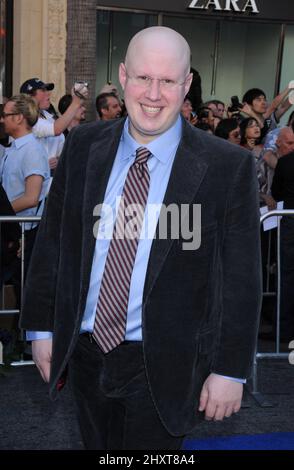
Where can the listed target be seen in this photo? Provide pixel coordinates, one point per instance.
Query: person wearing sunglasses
(24, 168)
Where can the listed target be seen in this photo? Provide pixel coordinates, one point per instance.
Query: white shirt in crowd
(44, 130)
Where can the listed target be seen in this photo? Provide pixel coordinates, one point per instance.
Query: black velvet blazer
(200, 307)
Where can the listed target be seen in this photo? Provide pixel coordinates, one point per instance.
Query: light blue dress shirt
(25, 157)
(163, 150)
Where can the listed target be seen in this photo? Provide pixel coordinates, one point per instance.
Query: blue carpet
(274, 441)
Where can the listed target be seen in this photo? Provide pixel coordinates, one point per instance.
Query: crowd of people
(33, 135)
(254, 125)
(30, 163)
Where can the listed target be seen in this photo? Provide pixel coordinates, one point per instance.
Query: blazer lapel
(186, 176)
(101, 157)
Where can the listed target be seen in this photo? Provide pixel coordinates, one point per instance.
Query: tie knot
(142, 155)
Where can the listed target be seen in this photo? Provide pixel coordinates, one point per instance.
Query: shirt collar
(162, 147)
(20, 141)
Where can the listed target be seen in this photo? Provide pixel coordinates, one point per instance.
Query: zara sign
(242, 6)
(257, 10)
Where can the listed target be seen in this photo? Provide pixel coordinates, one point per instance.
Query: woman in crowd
(229, 129)
(250, 136)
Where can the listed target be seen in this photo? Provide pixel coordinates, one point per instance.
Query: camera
(236, 106)
(203, 113)
(80, 89)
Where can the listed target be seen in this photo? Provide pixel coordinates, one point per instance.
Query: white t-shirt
(44, 130)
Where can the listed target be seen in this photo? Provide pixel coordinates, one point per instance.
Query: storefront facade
(235, 44)
(6, 40)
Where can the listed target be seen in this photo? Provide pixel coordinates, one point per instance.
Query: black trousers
(114, 406)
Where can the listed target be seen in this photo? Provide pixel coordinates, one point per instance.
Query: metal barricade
(22, 221)
(277, 354)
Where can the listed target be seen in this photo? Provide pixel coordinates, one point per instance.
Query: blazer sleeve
(37, 311)
(241, 290)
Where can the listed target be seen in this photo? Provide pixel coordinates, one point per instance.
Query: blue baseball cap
(35, 84)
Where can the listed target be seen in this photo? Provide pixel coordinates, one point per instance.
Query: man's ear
(188, 82)
(104, 112)
(19, 118)
(122, 74)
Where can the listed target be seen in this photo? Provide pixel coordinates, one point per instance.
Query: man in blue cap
(47, 128)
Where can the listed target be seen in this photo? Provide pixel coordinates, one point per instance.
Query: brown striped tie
(111, 312)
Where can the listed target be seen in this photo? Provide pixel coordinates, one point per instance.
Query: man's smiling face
(155, 79)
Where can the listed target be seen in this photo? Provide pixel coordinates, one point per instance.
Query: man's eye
(144, 78)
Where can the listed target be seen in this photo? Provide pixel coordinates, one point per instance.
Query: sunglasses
(4, 115)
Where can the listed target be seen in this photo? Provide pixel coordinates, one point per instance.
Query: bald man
(280, 142)
(152, 308)
(285, 141)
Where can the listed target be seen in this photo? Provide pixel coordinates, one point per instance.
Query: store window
(231, 57)
(114, 31)
(287, 69)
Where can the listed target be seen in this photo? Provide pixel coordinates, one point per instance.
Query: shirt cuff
(35, 335)
(233, 379)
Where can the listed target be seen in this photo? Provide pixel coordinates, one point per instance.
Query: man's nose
(154, 90)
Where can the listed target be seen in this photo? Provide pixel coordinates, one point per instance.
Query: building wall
(56, 41)
(81, 56)
(40, 43)
(41, 47)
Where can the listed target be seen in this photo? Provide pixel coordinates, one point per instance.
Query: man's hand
(53, 161)
(251, 143)
(250, 113)
(220, 397)
(194, 120)
(270, 202)
(42, 352)
(271, 158)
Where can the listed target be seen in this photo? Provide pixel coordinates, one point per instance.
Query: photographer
(205, 116)
(48, 129)
(234, 110)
